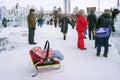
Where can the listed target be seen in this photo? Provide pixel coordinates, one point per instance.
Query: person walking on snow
(81, 24)
(31, 26)
(64, 25)
(55, 22)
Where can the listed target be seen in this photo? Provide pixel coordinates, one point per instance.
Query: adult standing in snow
(31, 26)
(40, 22)
(73, 22)
(55, 22)
(81, 24)
(115, 12)
(92, 19)
(51, 21)
(64, 21)
(103, 21)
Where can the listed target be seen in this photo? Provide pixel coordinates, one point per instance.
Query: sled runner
(44, 58)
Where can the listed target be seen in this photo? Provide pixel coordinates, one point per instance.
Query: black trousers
(55, 23)
(31, 35)
(112, 26)
(91, 33)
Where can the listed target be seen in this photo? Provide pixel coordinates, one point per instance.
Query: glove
(34, 28)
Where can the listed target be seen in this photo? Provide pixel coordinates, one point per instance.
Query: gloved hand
(34, 28)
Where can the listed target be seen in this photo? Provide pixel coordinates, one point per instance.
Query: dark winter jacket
(31, 21)
(40, 20)
(55, 20)
(104, 20)
(114, 13)
(92, 19)
(64, 24)
(73, 22)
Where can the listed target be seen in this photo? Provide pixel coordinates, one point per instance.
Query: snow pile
(5, 44)
(77, 65)
(10, 40)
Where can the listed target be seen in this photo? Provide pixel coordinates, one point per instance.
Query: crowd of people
(82, 23)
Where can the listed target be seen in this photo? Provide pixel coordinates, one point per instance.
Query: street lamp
(99, 5)
(67, 5)
(118, 3)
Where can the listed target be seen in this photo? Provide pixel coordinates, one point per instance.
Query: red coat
(81, 23)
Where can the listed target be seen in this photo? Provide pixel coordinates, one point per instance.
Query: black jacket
(104, 20)
(64, 24)
(92, 19)
(114, 13)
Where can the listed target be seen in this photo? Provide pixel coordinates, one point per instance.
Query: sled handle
(47, 46)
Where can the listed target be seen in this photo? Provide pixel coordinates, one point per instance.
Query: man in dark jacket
(115, 12)
(55, 22)
(103, 21)
(31, 26)
(64, 25)
(92, 19)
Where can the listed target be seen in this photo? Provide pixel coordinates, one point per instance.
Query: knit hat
(81, 11)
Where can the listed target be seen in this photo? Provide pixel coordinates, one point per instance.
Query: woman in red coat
(81, 24)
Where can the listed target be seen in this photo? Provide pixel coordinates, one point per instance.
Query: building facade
(67, 6)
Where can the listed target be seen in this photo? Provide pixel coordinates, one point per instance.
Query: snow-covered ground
(116, 34)
(15, 63)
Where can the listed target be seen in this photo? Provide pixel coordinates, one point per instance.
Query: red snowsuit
(81, 24)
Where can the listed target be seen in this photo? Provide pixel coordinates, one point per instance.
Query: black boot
(64, 38)
(105, 55)
(98, 54)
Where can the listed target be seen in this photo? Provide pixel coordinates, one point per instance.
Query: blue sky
(48, 4)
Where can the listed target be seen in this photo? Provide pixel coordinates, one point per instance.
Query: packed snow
(116, 34)
(77, 64)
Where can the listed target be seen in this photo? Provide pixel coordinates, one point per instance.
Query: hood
(115, 11)
(106, 15)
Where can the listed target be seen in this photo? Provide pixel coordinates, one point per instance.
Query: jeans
(104, 42)
(40, 24)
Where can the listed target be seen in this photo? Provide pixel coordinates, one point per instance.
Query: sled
(44, 62)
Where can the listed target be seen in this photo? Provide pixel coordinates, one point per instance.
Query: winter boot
(64, 38)
(98, 54)
(105, 54)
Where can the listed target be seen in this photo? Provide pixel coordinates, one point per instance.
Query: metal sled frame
(44, 66)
